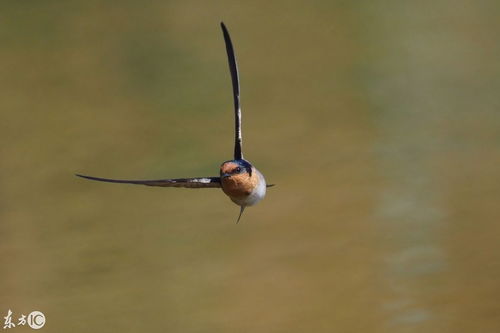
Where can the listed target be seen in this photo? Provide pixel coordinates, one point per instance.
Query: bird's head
(235, 167)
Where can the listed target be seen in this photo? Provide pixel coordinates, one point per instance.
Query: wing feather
(201, 182)
(233, 68)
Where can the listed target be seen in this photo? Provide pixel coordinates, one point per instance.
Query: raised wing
(233, 68)
(202, 182)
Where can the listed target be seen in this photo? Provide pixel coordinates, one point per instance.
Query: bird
(238, 178)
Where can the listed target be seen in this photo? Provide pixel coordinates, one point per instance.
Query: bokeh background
(378, 120)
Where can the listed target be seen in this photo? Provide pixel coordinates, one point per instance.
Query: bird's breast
(240, 185)
(244, 189)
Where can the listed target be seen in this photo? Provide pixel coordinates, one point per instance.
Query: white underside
(257, 194)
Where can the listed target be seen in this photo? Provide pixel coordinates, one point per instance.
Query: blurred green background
(378, 120)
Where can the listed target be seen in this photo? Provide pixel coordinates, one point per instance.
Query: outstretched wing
(233, 68)
(202, 182)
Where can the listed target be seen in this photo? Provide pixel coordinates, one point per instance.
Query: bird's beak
(225, 175)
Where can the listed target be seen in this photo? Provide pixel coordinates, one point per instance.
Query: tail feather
(242, 208)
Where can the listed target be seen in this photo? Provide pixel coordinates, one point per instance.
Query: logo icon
(36, 320)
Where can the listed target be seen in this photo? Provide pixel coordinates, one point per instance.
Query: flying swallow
(238, 178)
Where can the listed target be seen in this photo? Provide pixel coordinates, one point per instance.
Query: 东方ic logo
(35, 320)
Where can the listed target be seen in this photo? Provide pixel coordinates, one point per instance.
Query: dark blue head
(234, 167)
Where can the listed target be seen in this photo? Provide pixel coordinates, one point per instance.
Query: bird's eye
(238, 169)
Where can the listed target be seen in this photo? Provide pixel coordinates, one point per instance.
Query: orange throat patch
(239, 185)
